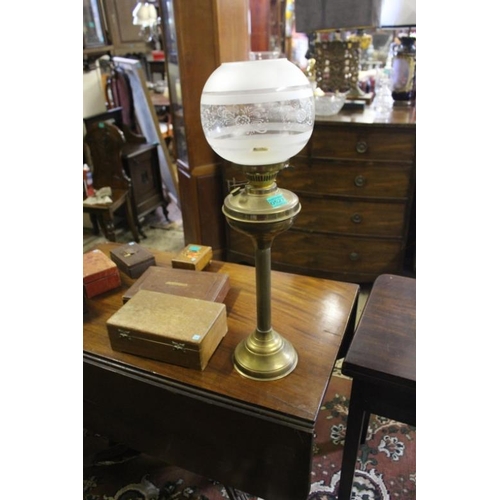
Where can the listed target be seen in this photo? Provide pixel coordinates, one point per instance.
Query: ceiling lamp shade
(398, 13)
(144, 14)
(257, 112)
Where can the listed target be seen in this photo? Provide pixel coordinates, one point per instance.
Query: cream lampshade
(258, 114)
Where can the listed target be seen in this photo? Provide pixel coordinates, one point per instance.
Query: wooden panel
(209, 32)
(324, 255)
(144, 172)
(351, 217)
(202, 217)
(261, 30)
(360, 179)
(186, 431)
(363, 143)
(347, 178)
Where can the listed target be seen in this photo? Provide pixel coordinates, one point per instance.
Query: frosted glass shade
(144, 14)
(257, 112)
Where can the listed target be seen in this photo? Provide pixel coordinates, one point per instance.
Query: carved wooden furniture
(105, 141)
(355, 180)
(382, 363)
(251, 435)
(140, 161)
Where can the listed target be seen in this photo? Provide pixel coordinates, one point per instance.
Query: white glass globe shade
(257, 112)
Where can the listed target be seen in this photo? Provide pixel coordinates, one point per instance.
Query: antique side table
(381, 361)
(253, 436)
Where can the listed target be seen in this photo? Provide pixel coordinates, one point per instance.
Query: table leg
(356, 420)
(364, 431)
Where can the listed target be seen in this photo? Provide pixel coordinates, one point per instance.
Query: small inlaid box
(195, 257)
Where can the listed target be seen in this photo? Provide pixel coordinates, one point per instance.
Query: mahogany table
(255, 436)
(381, 361)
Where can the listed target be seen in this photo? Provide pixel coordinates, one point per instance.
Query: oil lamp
(258, 114)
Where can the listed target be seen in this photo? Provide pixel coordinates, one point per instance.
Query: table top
(399, 116)
(383, 347)
(313, 314)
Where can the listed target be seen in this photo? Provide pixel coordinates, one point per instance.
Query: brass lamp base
(265, 357)
(261, 211)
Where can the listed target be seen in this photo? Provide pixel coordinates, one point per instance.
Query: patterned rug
(386, 468)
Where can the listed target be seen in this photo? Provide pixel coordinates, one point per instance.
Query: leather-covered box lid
(184, 282)
(132, 259)
(170, 328)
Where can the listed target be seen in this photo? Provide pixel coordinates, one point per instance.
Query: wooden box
(170, 328)
(195, 257)
(100, 273)
(132, 259)
(194, 284)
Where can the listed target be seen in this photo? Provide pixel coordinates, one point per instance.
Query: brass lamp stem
(263, 284)
(262, 211)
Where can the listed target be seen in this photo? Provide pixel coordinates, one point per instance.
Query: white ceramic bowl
(330, 103)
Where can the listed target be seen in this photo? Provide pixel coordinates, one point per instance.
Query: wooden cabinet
(199, 35)
(356, 182)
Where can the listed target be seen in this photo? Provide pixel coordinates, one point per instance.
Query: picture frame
(94, 27)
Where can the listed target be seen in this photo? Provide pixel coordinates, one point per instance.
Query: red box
(100, 273)
(158, 55)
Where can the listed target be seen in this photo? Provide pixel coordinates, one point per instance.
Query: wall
(93, 94)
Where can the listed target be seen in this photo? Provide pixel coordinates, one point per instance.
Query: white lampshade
(144, 14)
(398, 13)
(257, 112)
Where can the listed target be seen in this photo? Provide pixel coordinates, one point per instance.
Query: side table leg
(364, 431)
(355, 427)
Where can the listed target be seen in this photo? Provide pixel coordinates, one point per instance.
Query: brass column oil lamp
(258, 114)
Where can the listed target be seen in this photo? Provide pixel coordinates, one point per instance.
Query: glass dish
(330, 103)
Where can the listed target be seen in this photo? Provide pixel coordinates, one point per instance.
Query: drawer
(358, 178)
(370, 143)
(351, 217)
(322, 254)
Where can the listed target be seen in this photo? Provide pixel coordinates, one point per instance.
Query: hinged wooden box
(204, 286)
(170, 328)
(100, 273)
(132, 259)
(195, 257)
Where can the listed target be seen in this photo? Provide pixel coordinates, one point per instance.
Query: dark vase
(404, 70)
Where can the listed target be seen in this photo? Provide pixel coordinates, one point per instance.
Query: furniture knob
(361, 147)
(354, 256)
(359, 181)
(356, 218)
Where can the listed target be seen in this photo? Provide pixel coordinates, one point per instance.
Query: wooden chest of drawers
(356, 181)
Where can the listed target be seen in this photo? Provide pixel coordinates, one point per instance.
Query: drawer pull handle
(361, 147)
(354, 256)
(356, 218)
(359, 181)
